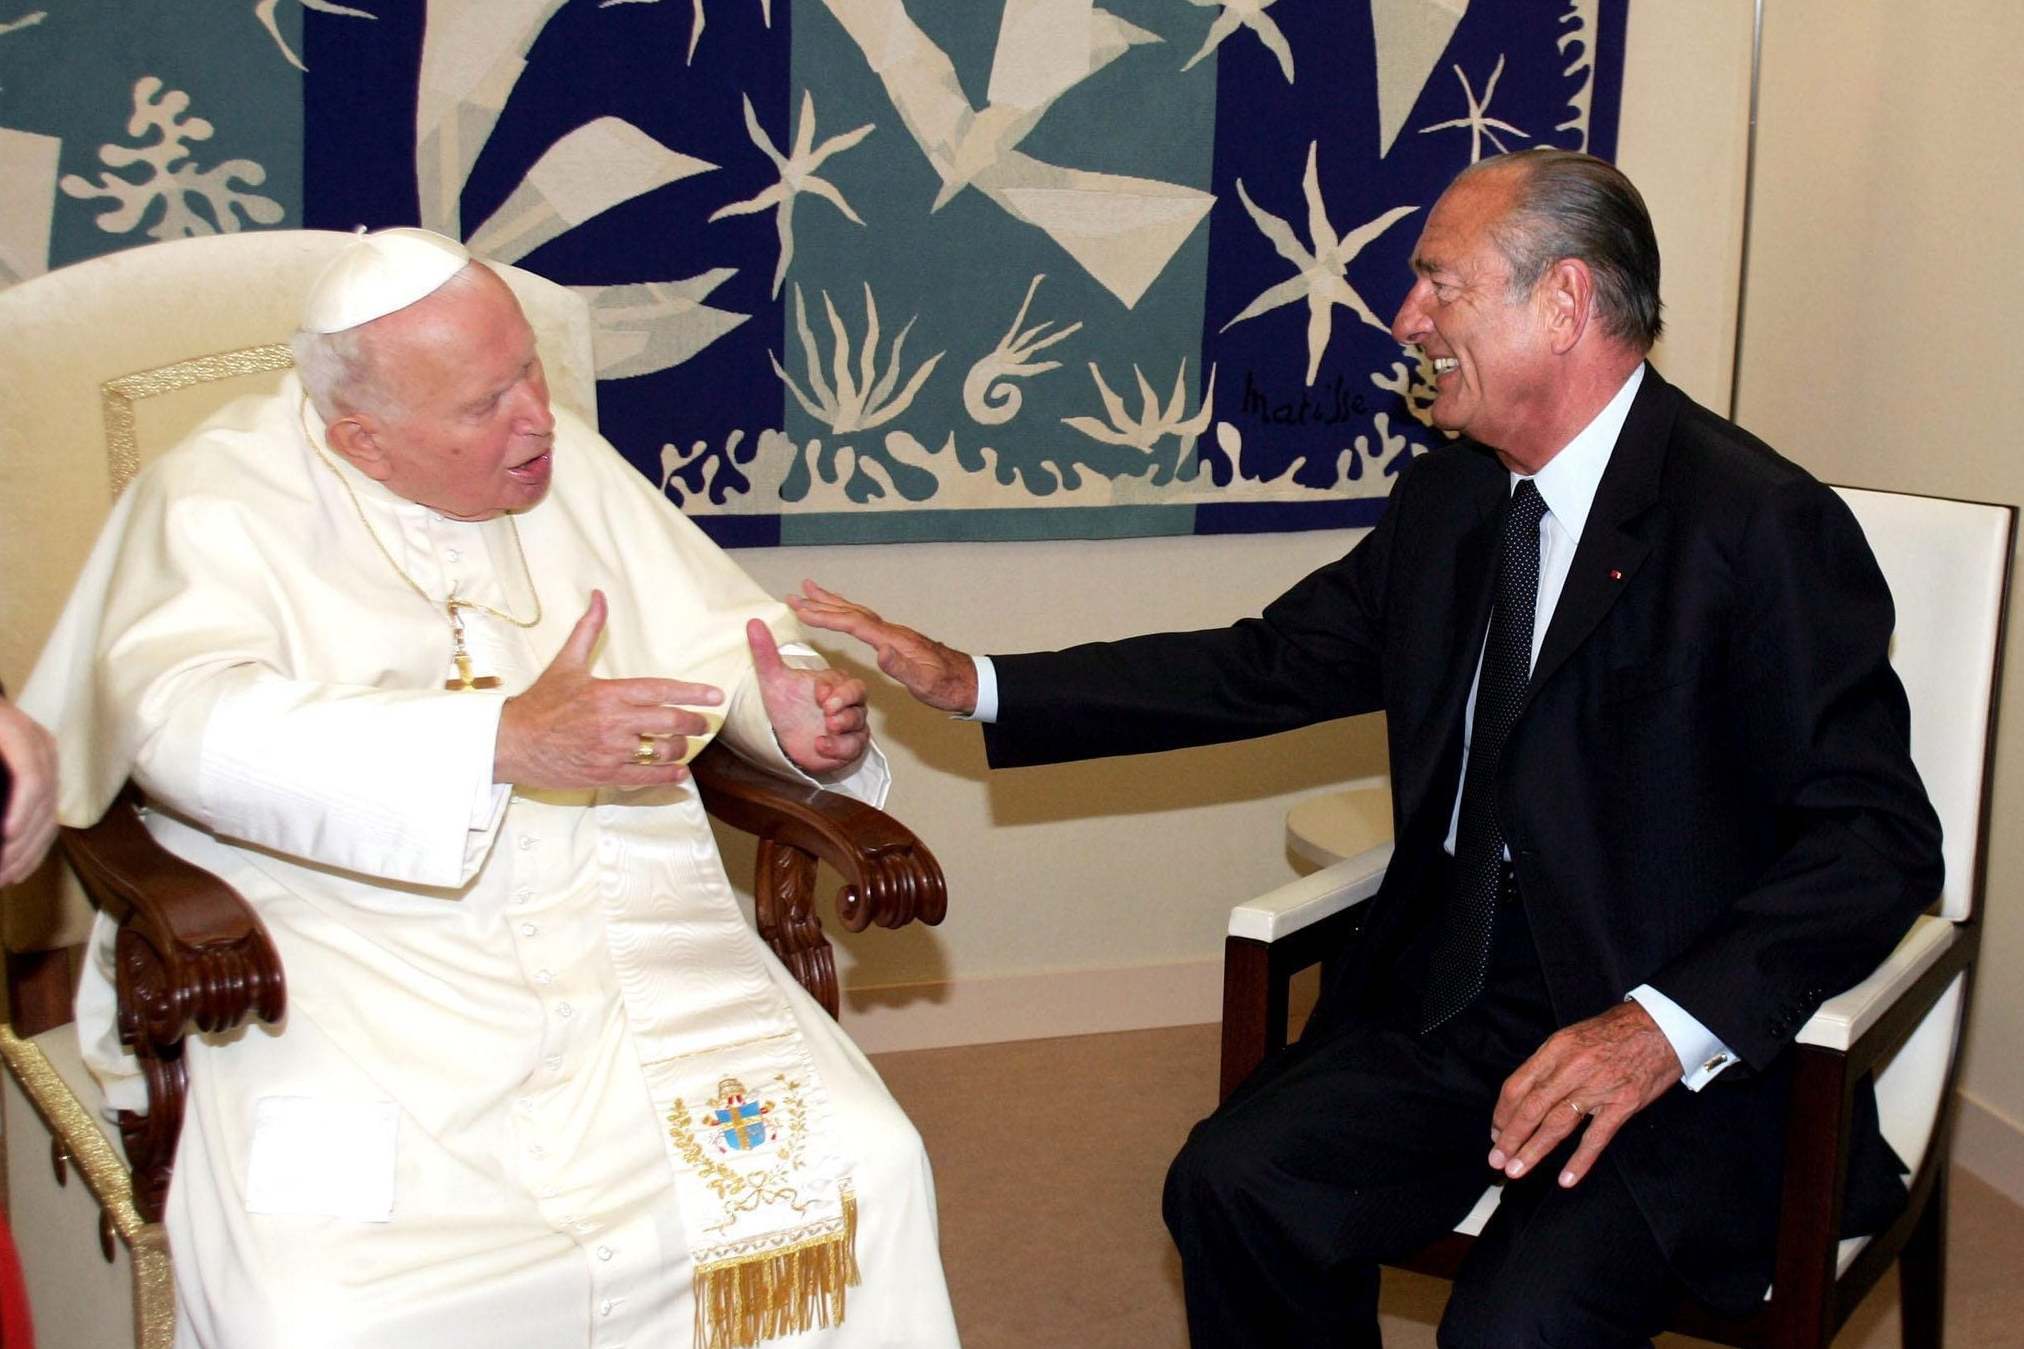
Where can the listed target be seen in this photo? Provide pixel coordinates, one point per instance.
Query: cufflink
(1720, 1060)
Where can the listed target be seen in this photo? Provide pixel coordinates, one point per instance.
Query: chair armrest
(890, 878)
(190, 953)
(213, 962)
(1299, 904)
(1844, 1019)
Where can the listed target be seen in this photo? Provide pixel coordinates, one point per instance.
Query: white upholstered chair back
(1944, 561)
(108, 362)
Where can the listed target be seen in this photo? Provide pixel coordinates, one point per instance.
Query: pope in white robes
(412, 661)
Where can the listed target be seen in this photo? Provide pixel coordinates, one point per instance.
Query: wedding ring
(1576, 1108)
(647, 752)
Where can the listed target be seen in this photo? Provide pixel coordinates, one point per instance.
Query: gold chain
(452, 602)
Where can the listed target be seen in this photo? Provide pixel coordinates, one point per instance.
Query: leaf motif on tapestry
(177, 186)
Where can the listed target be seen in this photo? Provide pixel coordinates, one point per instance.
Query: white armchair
(103, 364)
(1948, 566)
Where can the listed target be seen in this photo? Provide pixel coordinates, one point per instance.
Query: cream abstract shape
(1249, 14)
(1582, 19)
(472, 56)
(1322, 273)
(989, 394)
(650, 325)
(1478, 121)
(28, 166)
(590, 170)
(1122, 230)
(1153, 422)
(263, 10)
(847, 401)
(697, 21)
(797, 175)
(1411, 36)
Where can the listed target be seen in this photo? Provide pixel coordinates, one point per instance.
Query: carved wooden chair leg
(784, 908)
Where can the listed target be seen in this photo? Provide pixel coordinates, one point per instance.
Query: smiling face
(461, 422)
(1491, 350)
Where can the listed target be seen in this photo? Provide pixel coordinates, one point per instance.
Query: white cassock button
(564, 1010)
(604, 1307)
(526, 842)
(542, 976)
(604, 1252)
(528, 929)
(453, 555)
(522, 895)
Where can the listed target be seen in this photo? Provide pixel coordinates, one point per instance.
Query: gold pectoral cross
(461, 655)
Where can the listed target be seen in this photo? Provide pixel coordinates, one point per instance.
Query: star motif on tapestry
(1322, 275)
(1478, 121)
(1249, 14)
(797, 175)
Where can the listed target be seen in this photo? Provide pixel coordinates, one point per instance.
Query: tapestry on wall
(864, 269)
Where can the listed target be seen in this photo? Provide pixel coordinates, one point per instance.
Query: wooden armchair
(110, 360)
(1948, 565)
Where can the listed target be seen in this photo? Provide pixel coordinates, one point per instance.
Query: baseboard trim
(1032, 1006)
(1990, 1144)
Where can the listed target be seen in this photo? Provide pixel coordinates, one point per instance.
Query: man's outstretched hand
(938, 675)
(1604, 1070)
(818, 715)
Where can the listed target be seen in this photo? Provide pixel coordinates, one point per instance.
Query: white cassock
(537, 1073)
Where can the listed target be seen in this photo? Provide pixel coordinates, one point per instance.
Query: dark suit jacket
(1708, 788)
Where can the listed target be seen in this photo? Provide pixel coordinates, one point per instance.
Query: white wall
(1881, 347)
(1093, 896)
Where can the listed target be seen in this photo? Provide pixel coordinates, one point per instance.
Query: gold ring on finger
(1576, 1107)
(647, 752)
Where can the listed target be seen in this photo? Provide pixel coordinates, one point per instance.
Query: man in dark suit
(1653, 802)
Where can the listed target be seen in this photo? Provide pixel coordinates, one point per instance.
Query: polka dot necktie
(1462, 954)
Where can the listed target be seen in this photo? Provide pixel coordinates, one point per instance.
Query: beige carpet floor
(1049, 1156)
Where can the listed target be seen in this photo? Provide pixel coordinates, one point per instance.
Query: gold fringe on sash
(744, 1299)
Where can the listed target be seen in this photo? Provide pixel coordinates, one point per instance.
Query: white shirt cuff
(1697, 1046)
(987, 691)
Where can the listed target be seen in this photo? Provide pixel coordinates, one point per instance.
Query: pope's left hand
(818, 715)
(1602, 1070)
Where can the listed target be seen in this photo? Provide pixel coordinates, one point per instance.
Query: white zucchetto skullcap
(378, 273)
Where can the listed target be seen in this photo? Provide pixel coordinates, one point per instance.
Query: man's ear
(1568, 292)
(355, 436)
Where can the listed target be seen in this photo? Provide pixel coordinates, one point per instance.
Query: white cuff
(1696, 1045)
(987, 691)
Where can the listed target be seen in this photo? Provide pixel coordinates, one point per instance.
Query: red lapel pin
(1615, 575)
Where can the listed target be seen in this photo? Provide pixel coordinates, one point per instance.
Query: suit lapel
(1611, 551)
(1475, 563)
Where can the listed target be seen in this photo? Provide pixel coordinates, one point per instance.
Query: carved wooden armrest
(889, 876)
(190, 953)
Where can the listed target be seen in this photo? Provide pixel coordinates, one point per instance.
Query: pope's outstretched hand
(571, 729)
(818, 715)
(938, 675)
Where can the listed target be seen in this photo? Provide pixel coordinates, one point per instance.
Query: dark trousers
(1368, 1141)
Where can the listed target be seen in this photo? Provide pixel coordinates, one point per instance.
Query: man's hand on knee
(1602, 1071)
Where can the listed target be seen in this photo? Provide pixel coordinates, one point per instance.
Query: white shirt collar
(1569, 480)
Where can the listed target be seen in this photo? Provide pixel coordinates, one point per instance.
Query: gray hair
(1573, 205)
(338, 371)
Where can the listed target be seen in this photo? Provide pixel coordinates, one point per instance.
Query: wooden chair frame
(192, 955)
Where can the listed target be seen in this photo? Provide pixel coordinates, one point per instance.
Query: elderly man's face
(468, 431)
(1488, 348)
